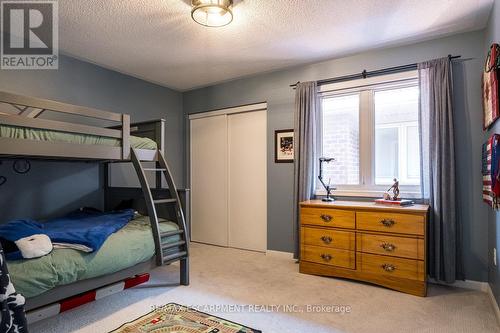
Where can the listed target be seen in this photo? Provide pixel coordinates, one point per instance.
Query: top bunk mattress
(25, 133)
(125, 248)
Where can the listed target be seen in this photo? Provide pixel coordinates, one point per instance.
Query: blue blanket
(83, 227)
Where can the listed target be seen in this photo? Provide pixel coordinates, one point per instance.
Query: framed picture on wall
(283, 146)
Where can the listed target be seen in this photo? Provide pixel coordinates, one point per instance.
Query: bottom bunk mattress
(125, 248)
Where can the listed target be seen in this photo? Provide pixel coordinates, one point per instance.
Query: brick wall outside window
(341, 141)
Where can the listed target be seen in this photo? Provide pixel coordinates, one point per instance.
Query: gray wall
(54, 188)
(492, 35)
(274, 88)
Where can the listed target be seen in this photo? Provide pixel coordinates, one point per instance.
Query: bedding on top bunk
(125, 248)
(26, 133)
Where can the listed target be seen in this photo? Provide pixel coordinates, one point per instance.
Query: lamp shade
(212, 13)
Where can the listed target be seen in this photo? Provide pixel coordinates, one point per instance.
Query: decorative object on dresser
(328, 188)
(394, 199)
(394, 202)
(384, 245)
(395, 191)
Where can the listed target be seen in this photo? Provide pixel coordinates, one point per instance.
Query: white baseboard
(284, 255)
(494, 303)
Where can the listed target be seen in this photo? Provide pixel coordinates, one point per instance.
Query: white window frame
(366, 89)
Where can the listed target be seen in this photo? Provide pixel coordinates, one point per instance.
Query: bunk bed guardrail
(24, 111)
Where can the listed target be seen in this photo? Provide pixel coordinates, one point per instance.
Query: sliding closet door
(247, 180)
(209, 223)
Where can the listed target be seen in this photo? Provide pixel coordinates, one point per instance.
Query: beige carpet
(227, 276)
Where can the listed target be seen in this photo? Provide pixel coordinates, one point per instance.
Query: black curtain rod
(364, 74)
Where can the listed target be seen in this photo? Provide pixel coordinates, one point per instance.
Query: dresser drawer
(329, 238)
(328, 217)
(391, 222)
(329, 256)
(405, 247)
(391, 266)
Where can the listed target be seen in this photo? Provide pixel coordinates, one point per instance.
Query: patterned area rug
(180, 319)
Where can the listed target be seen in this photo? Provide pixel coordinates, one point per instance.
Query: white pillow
(34, 246)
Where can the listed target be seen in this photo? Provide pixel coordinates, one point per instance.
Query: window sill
(368, 194)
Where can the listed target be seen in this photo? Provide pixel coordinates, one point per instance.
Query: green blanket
(127, 247)
(26, 133)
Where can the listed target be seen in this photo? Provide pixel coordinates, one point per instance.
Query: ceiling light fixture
(212, 13)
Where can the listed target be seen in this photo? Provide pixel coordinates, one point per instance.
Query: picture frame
(284, 144)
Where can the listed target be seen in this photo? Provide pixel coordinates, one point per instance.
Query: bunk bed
(34, 128)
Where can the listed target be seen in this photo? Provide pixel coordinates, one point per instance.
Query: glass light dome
(212, 13)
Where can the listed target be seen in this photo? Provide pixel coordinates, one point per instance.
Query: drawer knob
(389, 268)
(388, 222)
(388, 247)
(326, 239)
(326, 218)
(326, 257)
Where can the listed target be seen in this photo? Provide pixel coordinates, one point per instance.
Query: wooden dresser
(365, 241)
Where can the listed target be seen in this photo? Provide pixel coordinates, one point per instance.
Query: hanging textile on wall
(491, 102)
(491, 171)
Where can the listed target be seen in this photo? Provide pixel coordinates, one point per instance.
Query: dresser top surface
(360, 205)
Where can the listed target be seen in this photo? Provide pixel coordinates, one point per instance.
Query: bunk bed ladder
(166, 251)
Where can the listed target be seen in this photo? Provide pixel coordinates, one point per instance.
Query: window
(372, 131)
(341, 138)
(397, 151)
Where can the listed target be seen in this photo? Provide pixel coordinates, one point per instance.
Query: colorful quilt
(491, 171)
(180, 319)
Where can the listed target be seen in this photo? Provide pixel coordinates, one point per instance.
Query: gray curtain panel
(437, 151)
(305, 123)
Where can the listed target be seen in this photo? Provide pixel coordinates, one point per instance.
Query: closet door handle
(326, 217)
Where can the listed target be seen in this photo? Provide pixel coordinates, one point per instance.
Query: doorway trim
(230, 110)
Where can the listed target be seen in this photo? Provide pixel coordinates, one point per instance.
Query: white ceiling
(156, 40)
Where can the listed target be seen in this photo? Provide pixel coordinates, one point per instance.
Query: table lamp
(328, 189)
